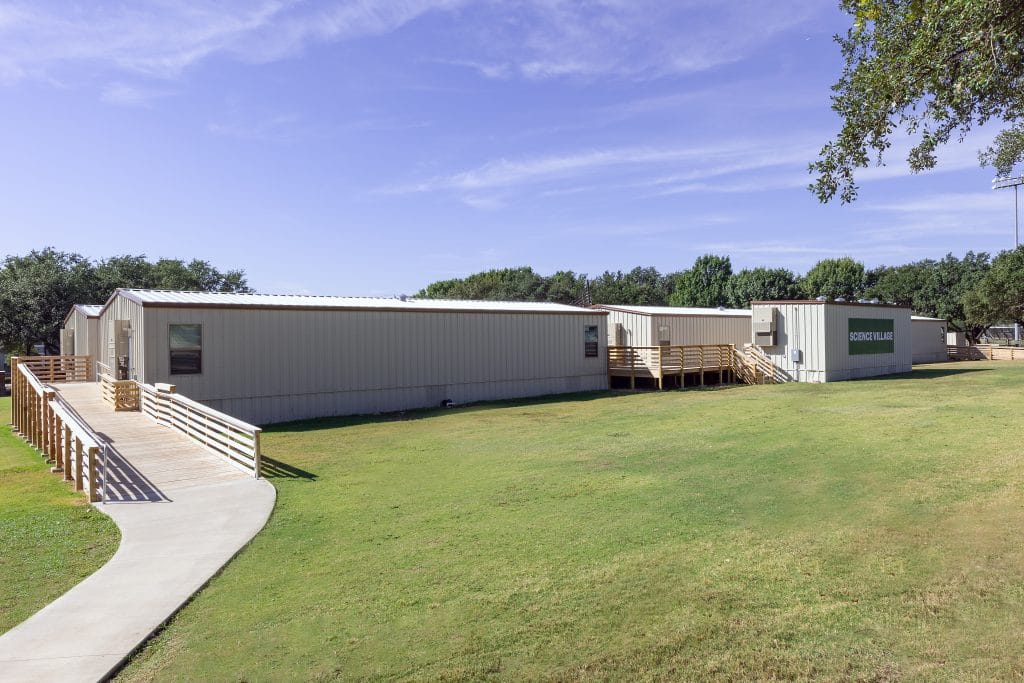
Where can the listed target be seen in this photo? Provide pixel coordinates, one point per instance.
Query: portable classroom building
(929, 339)
(675, 326)
(80, 335)
(272, 358)
(828, 341)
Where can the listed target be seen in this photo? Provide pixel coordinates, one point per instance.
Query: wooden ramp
(148, 461)
(183, 513)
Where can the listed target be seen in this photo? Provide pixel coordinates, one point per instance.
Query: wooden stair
(753, 366)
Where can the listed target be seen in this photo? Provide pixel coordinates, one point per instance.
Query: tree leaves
(37, 290)
(933, 68)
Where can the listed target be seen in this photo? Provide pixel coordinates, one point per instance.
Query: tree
(638, 287)
(38, 289)
(566, 287)
(950, 281)
(998, 296)
(834, 278)
(36, 292)
(933, 68)
(762, 284)
(504, 284)
(706, 284)
(904, 285)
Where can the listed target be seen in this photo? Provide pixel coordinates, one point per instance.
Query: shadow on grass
(930, 373)
(427, 413)
(275, 469)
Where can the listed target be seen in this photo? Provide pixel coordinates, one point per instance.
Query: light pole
(999, 184)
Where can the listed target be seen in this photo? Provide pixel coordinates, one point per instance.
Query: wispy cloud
(533, 39)
(132, 95)
(737, 165)
(543, 39)
(161, 39)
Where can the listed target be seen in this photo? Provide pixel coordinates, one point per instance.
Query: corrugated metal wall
(799, 326)
(636, 328)
(841, 365)
(122, 309)
(86, 332)
(265, 365)
(703, 329)
(929, 341)
(821, 332)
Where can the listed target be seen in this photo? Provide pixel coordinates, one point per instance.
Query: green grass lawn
(869, 530)
(50, 537)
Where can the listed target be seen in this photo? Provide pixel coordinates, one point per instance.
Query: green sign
(872, 335)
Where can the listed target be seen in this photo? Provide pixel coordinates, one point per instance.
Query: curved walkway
(183, 513)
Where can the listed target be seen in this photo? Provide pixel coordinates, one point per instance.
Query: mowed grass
(869, 530)
(50, 537)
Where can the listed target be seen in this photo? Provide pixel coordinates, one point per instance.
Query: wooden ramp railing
(50, 369)
(758, 368)
(122, 394)
(236, 441)
(47, 422)
(659, 362)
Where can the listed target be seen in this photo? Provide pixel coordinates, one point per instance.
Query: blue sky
(371, 147)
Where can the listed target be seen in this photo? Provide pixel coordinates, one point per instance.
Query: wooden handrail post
(257, 455)
(67, 453)
(661, 368)
(79, 452)
(94, 494)
(15, 395)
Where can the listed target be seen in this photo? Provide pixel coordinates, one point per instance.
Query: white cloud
(131, 95)
(534, 39)
(161, 39)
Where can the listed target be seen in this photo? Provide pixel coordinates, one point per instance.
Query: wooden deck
(148, 461)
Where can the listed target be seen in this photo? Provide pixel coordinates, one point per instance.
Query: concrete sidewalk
(172, 542)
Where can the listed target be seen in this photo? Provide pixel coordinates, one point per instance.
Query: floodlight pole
(999, 184)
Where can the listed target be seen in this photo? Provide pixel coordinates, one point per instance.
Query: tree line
(971, 293)
(38, 289)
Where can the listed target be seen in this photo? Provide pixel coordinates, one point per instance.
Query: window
(186, 349)
(664, 336)
(590, 341)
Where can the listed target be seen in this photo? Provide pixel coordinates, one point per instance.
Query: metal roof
(678, 310)
(168, 298)
(90, 310)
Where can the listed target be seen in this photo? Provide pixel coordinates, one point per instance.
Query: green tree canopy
(503, 284)
(36, 292)
(638, 287)
(945, 291)
(834, 278)
(933, 68)
(905, 285)
(38, 289)
(762, 284)
(998, 296)
(705, 284)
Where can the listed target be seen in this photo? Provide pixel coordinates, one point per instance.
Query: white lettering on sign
(872, 336)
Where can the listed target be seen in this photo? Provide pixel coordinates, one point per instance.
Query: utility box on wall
(763, 326)
(828, 341)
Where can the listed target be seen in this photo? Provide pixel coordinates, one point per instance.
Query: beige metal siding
(704, 329)
(264, 365)
(636, 328)
(799, 327)
(929, 341)
(86, 335)
(121, 308)
(841, 365)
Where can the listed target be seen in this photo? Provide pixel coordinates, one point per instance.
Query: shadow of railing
(125, 484)
(275, 469)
